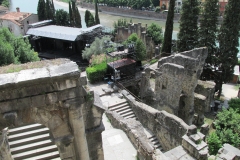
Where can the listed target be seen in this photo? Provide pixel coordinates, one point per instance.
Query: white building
(18, 22)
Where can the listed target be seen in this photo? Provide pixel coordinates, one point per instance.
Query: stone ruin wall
(171, 131)
(176, 78)
(123, 33)
(55, 96)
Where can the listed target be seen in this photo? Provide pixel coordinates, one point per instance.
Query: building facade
(164, 5)
(18, 22)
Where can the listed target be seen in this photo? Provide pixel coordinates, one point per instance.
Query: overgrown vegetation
(227, 128)
(155, 31)
(15, 49)
(97, 47)
(5, 3)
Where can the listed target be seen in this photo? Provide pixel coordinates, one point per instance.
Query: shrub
(234, 103)
(214, 143)
(96, 73)
(153, 61)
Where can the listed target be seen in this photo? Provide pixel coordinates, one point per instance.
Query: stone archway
(54, 96)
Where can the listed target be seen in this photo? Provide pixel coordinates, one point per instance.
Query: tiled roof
(16, 17)
(122, 62)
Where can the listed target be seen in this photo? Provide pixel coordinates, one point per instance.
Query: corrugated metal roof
(60, 32)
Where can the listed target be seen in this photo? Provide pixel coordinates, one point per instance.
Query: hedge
(97, 72)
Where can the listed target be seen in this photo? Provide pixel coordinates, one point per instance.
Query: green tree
(97, 20)
(49, 10)
(96, 48)
(89, 19)
(188, 33)
(73, 13)
(78, 18)
(155, 31)
(5, 3)
(62, 18)
(228, 43)
(214, 143)
(208, 31)
(15, 49)
(70, 14)
(167, 43)
(41, 10)
(139, 46)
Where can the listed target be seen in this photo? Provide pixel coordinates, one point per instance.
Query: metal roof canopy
(61, 32)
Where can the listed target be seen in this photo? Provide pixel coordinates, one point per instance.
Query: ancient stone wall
(168, 128)
(207, 89)
(175, 80)
(52, 94)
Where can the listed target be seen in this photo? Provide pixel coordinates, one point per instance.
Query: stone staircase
(32, 142)
(155, 142)
(123, 109)
(126, 111)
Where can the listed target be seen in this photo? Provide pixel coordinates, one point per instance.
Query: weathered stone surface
(5, 153)
(53, 96)
(207, 89)
(199, 108)
(228, 152)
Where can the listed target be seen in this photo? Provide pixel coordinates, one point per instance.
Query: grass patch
(30, 65)
(236, 87)
(153, 61)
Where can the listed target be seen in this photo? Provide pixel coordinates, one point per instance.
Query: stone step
(35, 152)
(155, 142)
(118, 106)
(46, 156)
(31, 146)
(29, 140)
(131, 116)
(111, 106)
(127, 114)
(14, 137)
(125, 111)
(153, 138)
(25, 128)
(121, 109)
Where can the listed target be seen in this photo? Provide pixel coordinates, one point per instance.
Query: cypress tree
(89, 19)
(188, 33)
(208, 35)
(73, 13)
(97, 20)
(70, 14)
(78, 18)
(167, 43)
(48, 9)
(41, 10)
(228, 43)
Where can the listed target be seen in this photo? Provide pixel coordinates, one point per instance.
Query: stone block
(51, 98)
(204, 129)
(38, 101)
(35, 76)
(69, 69)
(192, 130)
(66, 84)
(83, 80)
(7, 80)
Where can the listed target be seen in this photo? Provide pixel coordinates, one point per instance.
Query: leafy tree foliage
(208, 31)
(167, 43)
(155, 31)
(5, 3)
(228, 43)
(97, 20)
(74, 15)
(41, 10)
(96, 48)
(89, 19)
(62, 18)
(214, 143)
(188, 33)
(234, 103)
(139, 46)
(14, 49)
